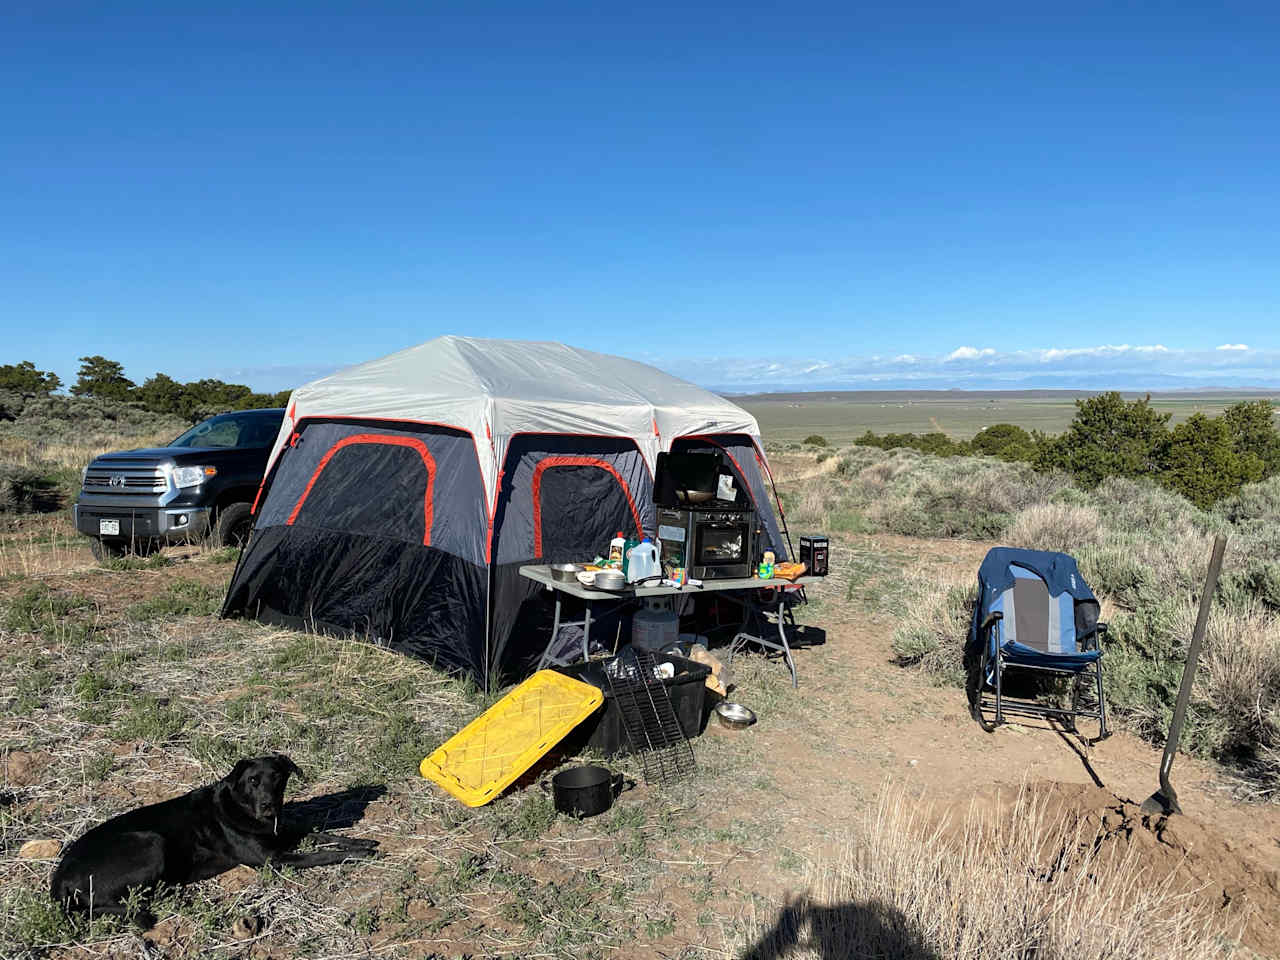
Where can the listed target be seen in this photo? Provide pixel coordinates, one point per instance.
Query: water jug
(641, 561)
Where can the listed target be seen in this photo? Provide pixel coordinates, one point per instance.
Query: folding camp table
(743, 591)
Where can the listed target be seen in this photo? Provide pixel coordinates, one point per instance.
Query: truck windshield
(233, 430)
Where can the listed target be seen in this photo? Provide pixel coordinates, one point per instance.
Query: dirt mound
(1199, 858)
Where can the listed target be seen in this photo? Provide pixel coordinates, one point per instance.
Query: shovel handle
(1189, 671)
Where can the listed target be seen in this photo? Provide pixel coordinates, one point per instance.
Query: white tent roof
(495, 389)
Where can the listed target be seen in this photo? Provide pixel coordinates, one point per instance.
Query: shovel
(1165, 800)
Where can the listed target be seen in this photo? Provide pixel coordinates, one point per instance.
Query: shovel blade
(1161, 804)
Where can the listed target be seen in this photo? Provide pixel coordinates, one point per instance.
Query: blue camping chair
(1035, 612)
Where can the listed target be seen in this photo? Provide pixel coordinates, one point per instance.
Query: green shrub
(1259, 580)
(28, 489)
(1108, 438)
(932, 634)
(1253, 502)
(1201, 461)
(1004, 440)
(936, 443)
(88, 421)
(816, 440)
(949, 497)
(1252, 426)
(24, 379)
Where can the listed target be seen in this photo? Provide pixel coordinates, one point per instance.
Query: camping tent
(403, 494)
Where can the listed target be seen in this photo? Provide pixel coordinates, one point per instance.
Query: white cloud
(1234, 346)
(969, 353)
(1104, 350)
(1102, 366)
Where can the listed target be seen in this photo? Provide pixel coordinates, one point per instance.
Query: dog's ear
(285, 761)
(238, 770)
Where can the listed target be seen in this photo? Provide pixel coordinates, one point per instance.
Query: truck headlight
(192, 476)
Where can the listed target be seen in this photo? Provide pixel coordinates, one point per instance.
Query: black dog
(198, 835)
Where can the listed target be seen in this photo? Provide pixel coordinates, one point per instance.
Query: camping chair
(1035, 612)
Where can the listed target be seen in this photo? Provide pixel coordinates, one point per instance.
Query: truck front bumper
(142, 523)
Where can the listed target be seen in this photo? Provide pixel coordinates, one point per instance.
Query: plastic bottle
(765, 572)
(615, 550)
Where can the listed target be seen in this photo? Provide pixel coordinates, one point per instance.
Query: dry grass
(933, 629)
(123, 696)
(1029, 885)
(1241, 675)
(47, 546)
(1055, 526)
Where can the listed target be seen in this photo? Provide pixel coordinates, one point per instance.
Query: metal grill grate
(647, 716)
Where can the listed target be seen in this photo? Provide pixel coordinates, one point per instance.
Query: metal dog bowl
(734, 715)
(565, 572)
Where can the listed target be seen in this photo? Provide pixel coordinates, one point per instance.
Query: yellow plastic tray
(483, 758)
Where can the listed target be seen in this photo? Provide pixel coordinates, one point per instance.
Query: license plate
(109, 528)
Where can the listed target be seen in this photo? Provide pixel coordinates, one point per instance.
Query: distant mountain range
(1072, 383)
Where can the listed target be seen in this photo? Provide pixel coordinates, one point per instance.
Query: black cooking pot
(585, 791)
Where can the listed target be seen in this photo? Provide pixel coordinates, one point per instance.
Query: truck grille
(125, 480)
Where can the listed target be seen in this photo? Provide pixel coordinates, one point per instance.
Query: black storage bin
(604, 731)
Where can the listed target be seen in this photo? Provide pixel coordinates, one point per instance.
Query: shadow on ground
(333, 811)
(846, 930)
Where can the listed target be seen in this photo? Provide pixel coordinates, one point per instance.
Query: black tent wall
(380, 530)
(374, 530)
(562, 499)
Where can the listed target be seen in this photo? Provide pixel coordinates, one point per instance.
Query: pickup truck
(201, 484)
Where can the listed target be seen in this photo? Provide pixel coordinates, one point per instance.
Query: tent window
(588, 495)
(368, 494)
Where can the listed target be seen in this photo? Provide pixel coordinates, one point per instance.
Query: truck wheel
(235, 523)
(114, 549)
(107, 549)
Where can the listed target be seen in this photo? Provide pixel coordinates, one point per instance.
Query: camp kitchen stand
(740, 590)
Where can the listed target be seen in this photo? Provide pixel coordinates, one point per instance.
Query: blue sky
(735, 192)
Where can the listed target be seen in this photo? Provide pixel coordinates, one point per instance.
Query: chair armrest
(992, 618)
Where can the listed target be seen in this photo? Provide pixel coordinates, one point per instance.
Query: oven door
(718, 543)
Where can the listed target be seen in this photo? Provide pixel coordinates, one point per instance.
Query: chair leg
(1103, 733)
(979, 684)
(1075, 703)
(999, 691)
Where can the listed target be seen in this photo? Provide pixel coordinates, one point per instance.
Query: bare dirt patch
(1220, 868)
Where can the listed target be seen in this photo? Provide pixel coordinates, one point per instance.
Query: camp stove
(715, 542)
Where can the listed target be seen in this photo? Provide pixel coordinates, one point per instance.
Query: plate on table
(609, 581)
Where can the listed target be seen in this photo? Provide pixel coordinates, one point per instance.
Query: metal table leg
(586, 634)
(555, 632)
(786, 647)
(743, 637)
